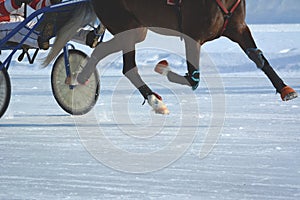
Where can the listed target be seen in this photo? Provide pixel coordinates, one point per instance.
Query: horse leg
(130, 70)
(192, 78)
(243, 37)
(124, 42)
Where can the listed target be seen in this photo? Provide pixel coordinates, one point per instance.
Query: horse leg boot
(246, 41)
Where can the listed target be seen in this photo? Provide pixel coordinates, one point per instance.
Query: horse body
(196, 21)
(201, 20)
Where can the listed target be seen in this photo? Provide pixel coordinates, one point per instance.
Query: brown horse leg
(131, 72)
(192, 49)
(244, 38)
(130, 69)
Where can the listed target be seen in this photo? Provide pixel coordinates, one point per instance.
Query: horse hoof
(288, 93)
(157, 104)
(162, 68)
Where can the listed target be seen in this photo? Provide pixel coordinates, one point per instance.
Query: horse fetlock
(256, 55)
(145, 91)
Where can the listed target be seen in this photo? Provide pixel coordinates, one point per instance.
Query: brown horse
(195, 21)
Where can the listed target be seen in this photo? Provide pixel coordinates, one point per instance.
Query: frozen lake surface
(255, 156)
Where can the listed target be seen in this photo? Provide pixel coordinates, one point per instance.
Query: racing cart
(75, 100)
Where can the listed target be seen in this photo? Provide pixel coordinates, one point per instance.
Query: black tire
(80, 99)
(5, 91)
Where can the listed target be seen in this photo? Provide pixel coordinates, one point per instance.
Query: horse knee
(256, 55)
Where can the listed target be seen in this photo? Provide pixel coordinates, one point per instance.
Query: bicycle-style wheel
(5, 91)
(76, 100)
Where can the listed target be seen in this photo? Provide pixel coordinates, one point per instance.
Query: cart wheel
(5, 91)
(76, 100)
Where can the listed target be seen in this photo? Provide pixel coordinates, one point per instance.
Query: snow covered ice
(44, 155)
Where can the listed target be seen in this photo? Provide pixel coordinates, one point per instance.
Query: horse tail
(83, 15)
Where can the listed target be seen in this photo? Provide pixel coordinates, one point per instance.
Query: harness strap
(228, 13)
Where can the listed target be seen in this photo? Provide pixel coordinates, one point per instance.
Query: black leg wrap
(191, 68)
(256, 56)
(274, 78)
(261, 62)
(145, 91)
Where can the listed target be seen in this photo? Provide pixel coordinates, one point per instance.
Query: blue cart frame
(66, 65)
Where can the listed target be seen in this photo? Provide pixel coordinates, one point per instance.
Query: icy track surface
(256, 155)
